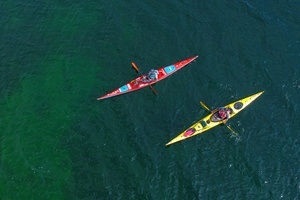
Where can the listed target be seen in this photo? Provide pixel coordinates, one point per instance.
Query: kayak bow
(211, 120)
(138, 83)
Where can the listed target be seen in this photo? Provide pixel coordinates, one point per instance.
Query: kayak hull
(137, 83)
(210, 121)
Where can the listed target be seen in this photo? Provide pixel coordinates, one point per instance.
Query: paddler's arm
(215, 110)
(226, 119)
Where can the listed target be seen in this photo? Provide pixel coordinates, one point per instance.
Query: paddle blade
(153, 90)
(135, 67)
(232, 131)
(204, 106)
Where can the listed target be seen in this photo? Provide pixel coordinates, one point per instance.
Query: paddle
(204, 106)
(137, 69)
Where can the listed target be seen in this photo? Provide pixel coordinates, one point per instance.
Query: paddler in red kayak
(151, 76)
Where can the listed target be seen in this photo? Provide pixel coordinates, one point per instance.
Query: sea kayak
(213, 119)
(140, 82)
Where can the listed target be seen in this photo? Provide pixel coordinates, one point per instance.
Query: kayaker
(151, 76)
(224, 114)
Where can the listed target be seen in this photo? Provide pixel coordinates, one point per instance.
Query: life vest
(222, 114)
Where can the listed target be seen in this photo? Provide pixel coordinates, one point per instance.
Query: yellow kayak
(214, 119)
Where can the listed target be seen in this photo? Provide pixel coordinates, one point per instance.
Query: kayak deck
(212, 120)
(139, 83)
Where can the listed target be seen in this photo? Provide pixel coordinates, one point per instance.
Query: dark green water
(58, 142)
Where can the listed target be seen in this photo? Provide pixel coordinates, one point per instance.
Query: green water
(58, 142)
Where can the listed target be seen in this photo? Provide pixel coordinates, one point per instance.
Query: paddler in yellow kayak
(221, 114)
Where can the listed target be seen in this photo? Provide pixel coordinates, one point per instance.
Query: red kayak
(148, 79)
